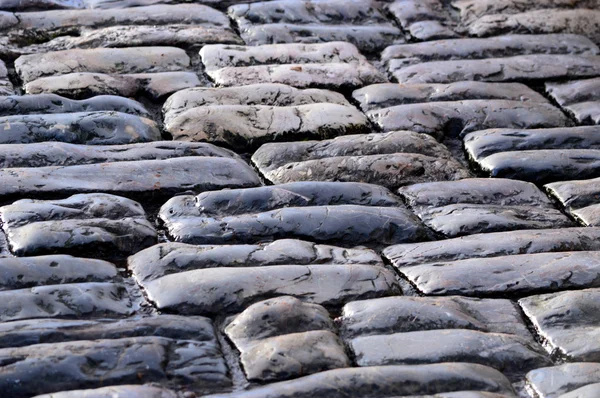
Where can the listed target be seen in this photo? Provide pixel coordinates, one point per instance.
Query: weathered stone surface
(400, 56)
(583, 21)
(423, 19)
(247, 127)
(153, 178)
(580, 98)
(38, 331)
(6, 87)
(575, 195)
(391, 160)
(520, 275)
(102, 60)
(385, 95)
(454, 118)
(385, 381)
(408, 314)
(269, 94)
(168, 258)
(129, 391)
(102, 4)
(283, 21)
(495, 245)
(334, 65)
(292, 355)
(85, 84)
(568, 322)
(505, 352)
(455, 208)
(554, 381)
(63, 154)
(522, 67)
(91, 128)
(50, 103)
(45, 368)
(226, 290)
(589, 391)
(97, 299)
(19, 273)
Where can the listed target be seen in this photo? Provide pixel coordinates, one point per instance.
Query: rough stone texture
(495, 245)
(581, 98)
(423, 19)
(129, 391)
(385, 381)
(214, 291)
(580, 199)
(554, 381)
(589, 391)
(456, 208)
(6, 87)
(519, 275)
(102, 4)
(169, 258)
(92, 128)
(346, 214)
(568, 322)
(361, 23)
(391, 160)
(336, 65)
(91, 224)
(153, 178)
(391, 315)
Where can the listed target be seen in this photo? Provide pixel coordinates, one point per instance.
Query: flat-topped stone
(568, 322)
(392, 160)
(91, 128)
(347, 214)
(329, 65)
(579, 97)
(131, 391)
(385, 381)
(423, 19)
(580, 199)
(172, 257)
(589, 391)
(552, 382)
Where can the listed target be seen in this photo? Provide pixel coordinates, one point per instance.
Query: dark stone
(127, 391)
(580, 98)
(554, 381)
(87, 224)
(575, 195)
(385, 381)
(569, 322)
(91, 128)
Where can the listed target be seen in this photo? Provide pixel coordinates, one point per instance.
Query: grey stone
(6, 87)
(102, 60)
(517, 68)
(568, 322)
(575, 195)
(97, 299)
(589, 391)
(153, 178)
(86, 84)
(90, 224)
(507, 353)
(579, 97)
(456, 118)
(247, 127)
(45, 331)
(20, 273)
(50, 103)
(580, 21)
(391, 160)
(385, 381)
(423, 19)
(334, 65)
(386, 95)
(172, 257)
(518, 275)
(126, 391)
(408, 314)
(45, 368)
(92, 128)
(554, 381)
(63, 154)
(214, 291)
(494, 245)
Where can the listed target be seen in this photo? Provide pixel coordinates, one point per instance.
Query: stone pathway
(300, 198)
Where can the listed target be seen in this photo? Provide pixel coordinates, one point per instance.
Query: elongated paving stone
(391, 160)
(554, 381)
(580, 199)
(477, 205)
(580, 98)
(172, 257)
(349, 214)
(361, 23)
(94, 224)
(568, 322)
(385, 381)
(423, 19)
(131, 391)
(336, 65)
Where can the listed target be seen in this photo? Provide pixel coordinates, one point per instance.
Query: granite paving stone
(423, 19)
(553, 382)
(579, 198)
(131, 391)
(579, 97)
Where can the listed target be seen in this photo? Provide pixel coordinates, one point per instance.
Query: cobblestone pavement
(300, 198)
